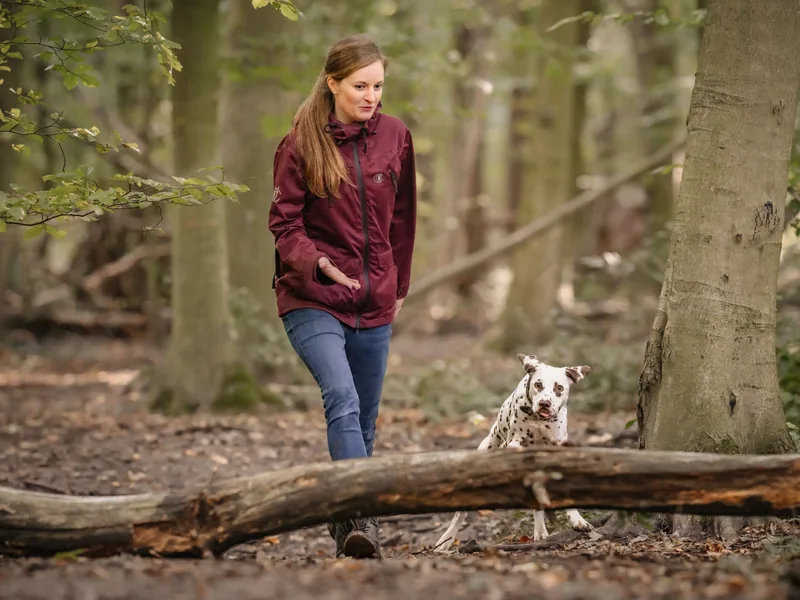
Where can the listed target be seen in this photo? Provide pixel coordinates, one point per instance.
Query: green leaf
(289, 11)
(261, 3)
(54, 231)
(33, 231)
(16, 212)
(630, 423)
(70, 80)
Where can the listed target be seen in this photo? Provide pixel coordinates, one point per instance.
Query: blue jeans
(349, 366)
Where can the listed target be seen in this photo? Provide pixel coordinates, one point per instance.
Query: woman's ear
(333, 85)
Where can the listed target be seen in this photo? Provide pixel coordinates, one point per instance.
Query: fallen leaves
(82, 440)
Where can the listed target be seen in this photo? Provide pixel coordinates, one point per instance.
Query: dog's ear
(577, 373)
(529, 361)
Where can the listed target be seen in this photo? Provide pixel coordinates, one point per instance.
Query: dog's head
(547, 387)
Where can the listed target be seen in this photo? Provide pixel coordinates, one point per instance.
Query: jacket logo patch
(378, 177)
(276, 193)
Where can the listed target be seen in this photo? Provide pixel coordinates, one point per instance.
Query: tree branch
(466, 264)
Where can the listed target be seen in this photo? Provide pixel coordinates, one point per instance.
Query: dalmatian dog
(534, 413)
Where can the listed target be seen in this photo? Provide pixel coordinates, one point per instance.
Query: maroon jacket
(368, 232)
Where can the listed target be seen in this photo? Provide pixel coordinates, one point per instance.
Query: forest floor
(72, 422)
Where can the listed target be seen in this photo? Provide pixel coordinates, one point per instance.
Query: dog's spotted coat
(534, 413)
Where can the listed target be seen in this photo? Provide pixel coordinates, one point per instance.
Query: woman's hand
(327, 267)
(398, 305)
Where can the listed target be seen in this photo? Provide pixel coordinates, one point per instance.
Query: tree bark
(546, 182)
(655, 48)
(709, 381)
(200, 345)
(234, 511)
(574, 240)
(9, 163)
(253, 118)
(458, 209)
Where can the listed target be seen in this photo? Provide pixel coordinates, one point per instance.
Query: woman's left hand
(398, 305)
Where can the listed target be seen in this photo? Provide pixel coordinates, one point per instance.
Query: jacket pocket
(333, 295)
(384, 293)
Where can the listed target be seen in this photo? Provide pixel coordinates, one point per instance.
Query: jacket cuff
(316, 275)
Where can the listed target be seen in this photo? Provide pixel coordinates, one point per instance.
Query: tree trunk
(546, 183)
(521, 103)
(199, 346)
(655, 48)
(458, 209)
(575, 239)
(253, 118)
(9, 239)
(711, 352)
(235, 511)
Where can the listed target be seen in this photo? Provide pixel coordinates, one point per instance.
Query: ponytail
(323, 164)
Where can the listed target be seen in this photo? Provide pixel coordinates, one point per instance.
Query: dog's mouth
(545, 414)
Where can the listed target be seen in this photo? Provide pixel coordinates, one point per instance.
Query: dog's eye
(538, 385)
(559, 388)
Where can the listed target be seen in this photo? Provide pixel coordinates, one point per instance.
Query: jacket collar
(342, 132)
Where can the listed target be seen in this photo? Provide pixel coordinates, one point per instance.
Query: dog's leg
(539, 527)
(449, 536)
(576, 521)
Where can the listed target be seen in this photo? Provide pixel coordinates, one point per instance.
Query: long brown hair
(323, 164)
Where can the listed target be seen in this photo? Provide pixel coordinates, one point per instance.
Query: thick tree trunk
(253, 118)
(234, 511)
(709, 380)
(199, 347)
(546, 183)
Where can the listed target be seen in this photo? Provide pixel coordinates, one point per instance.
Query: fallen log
(229, 512)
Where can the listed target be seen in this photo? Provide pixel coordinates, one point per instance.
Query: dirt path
(70, 422)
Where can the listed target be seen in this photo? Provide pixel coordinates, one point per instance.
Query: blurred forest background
(516, 107)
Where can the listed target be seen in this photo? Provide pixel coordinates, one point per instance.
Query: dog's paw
(580, 524)
(539, 531)
(443, 547)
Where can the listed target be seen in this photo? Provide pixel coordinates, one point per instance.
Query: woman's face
(356, 96)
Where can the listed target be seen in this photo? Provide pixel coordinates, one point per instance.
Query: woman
(344, 220)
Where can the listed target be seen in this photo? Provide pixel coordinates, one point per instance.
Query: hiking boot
(362, 541)
(339, 532)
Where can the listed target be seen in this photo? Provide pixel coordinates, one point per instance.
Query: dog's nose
(545, 403)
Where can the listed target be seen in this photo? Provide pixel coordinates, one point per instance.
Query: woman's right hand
(327, 267)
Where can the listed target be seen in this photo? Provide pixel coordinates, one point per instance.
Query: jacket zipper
(362, 197)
